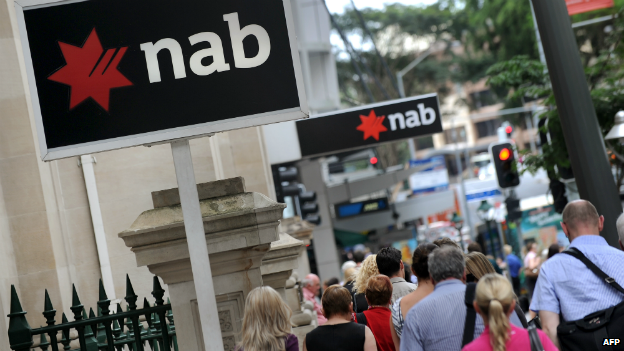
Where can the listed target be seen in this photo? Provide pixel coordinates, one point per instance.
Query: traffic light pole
(578, 118)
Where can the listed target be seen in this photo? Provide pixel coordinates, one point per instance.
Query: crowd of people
(461, 301)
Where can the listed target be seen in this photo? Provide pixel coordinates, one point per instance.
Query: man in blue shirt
(436, 323)
(565, 286)
(514, 265)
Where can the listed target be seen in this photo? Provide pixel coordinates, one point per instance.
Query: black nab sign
(107, 74)
(368, 125)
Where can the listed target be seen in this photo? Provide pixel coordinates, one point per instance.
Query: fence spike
(131, 297)
(104, 302)
(77, 308)
(158, 292)
(146, 304)
(103, 295)
(43, 342)
(120, 320)
(49, 312)
(20, 334)
(65, 336)
(16, 306)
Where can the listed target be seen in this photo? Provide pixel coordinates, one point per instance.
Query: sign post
(111, 74)
(198, 248)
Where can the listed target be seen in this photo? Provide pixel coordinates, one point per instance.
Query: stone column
(301, 230)
(239, 227)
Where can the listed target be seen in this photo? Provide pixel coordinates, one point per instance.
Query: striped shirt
(436, 323)
(566, 286)
(397, 317)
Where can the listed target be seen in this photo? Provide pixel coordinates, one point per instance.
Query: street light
(486, 214)
(458, 223)
(617, 132)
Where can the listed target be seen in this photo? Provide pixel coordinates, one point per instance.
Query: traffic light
(308, 207)
(508, 130)
(505, 164)
(286, 184)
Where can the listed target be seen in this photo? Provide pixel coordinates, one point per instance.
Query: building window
(423, 143)
(482, 98)
(488, 128)
(453, 135)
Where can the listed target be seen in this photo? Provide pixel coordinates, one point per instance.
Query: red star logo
(90, 72)
(372, 125)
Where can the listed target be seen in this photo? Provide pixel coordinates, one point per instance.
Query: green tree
(527, 78)
(477, 33)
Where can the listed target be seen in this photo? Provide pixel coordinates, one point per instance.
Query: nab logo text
(427, 117)
(610, 342)
(237, 35)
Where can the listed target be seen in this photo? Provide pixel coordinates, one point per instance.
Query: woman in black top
(339, 333)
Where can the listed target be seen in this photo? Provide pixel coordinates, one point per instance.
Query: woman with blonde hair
(266, 323)
(495, 301)
(367, 270)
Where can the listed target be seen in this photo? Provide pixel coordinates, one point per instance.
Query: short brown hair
(446, 242)
(379, 290)
(336, 300)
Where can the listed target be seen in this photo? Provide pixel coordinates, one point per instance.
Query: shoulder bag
(598, 330)
(536, 343)
(471, 314)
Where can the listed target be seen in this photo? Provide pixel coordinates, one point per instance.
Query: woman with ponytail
(494, 301)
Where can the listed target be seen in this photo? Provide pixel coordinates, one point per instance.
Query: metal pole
(578, 117)
(408, 68)
(540, 47)
(198, 249)
(460, 171)
(400, 83)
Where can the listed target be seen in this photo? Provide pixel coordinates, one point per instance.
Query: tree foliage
(477, 33)
(604, 69)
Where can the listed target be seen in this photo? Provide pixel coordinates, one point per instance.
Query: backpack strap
(471, 314)
(576, 253)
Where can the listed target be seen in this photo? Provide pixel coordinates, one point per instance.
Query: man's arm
(550, 322)
(410, 339)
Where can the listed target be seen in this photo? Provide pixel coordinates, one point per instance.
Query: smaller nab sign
(369, 125)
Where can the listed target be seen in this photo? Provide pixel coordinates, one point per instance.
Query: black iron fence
(119, 331)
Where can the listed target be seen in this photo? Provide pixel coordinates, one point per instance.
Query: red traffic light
(504, 154)
(373, 160)
(508, 129)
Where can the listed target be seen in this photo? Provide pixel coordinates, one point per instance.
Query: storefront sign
(108, 74)
(369, 125)
(360, 208)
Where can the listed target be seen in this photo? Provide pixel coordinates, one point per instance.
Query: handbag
(596, 330)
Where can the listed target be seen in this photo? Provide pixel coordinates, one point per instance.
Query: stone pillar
(279, 262)
(239, 226)
(301, 230)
